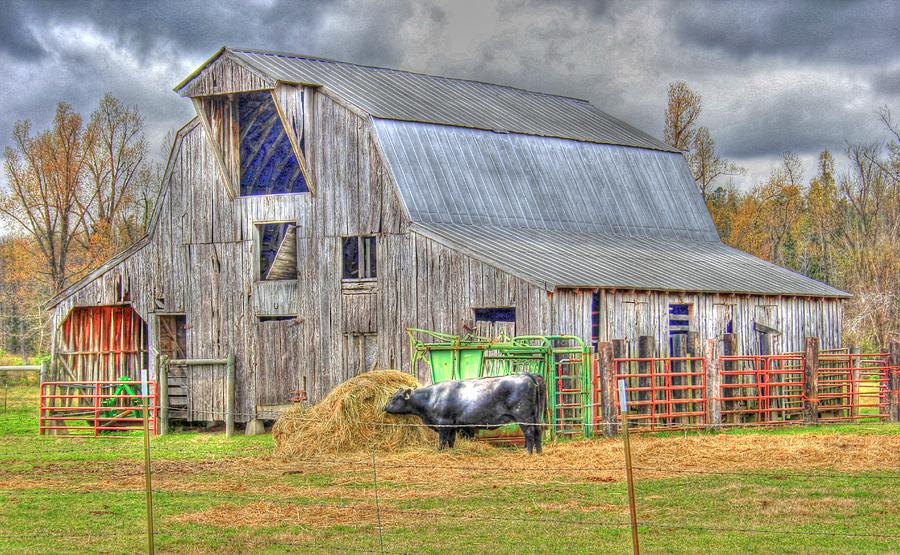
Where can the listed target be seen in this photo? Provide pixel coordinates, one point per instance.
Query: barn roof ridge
(403, 95)
(313, 58)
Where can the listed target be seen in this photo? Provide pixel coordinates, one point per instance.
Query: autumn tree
(682, 112)
(683, 109)
(47, 195)
(870, 241)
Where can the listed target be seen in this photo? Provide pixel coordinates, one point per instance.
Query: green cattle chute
(563, 360)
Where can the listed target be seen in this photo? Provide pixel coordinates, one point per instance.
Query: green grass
(84, 495)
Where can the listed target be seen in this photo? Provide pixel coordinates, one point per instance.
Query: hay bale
(349, 418)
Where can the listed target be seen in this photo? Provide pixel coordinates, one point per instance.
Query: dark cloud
(859, 32)
(775, 76)
(17, 41)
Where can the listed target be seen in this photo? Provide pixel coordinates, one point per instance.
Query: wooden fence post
(619, 350)
(45, 368)
(646, 349)
(229, 395)
(893, 392)
(713, 384)
(811, 380)
(607, 384)
(163, 385)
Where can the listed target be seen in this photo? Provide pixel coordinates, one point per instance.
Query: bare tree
(706, 164)
(116, 170)
(46, 193)
(682, 112)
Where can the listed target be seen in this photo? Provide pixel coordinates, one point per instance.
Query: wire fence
(375, 516)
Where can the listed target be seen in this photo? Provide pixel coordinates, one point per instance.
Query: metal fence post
(229, 395)
(811, 380)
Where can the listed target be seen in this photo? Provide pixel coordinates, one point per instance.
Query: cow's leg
(442, 438)
(529, 437)
(451, 437)
(538, 431)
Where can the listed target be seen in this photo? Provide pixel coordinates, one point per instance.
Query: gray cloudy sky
(774, 76)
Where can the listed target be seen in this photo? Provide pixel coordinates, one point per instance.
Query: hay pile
(343, 420)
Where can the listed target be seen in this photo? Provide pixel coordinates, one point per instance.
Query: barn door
(278, 375)
(102, 343)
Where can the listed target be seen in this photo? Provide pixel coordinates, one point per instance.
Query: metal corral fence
(720, 390)
(95, 408)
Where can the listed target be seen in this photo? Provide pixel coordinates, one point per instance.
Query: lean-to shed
(314, 209)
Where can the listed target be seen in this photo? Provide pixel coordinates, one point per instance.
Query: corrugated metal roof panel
(407, 96)
(467, 176)
(554, 259)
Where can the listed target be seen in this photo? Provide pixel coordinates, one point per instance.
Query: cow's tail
(540, 401)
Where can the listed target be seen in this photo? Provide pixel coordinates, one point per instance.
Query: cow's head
(399, 403)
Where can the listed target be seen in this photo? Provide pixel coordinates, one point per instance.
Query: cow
(481, 403)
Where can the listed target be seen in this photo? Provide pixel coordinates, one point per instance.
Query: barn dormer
(255, 125)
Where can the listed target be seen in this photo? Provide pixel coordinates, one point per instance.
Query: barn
(313, 210)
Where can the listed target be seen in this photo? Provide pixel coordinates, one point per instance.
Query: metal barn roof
(571, 214)
(553, 258)
(467, 176)
(403, 95)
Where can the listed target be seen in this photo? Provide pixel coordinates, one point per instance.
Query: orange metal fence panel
(95, 408)
(853, 386)
(665, 392)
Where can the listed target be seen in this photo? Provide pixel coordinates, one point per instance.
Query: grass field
(832, 489)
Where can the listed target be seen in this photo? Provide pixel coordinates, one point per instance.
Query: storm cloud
(774, 76)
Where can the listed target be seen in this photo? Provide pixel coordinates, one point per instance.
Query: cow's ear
(407, 393)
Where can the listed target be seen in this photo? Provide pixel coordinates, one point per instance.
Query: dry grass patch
(267, 514)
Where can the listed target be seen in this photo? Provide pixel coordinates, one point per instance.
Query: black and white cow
(468, 405)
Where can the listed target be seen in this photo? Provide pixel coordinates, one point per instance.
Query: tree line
(75, 193)
(838, 226)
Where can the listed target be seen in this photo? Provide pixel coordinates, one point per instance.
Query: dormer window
(268, 163)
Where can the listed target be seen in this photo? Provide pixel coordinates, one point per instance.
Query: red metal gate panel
(853, 386)
(96, 408)
(762, 389)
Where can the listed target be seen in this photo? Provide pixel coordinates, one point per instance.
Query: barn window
(493, 322)
(595, 319)
(360, 257)
(679, 323)
(724, 314)
(279, 318)
(268, 162)
(277, 244)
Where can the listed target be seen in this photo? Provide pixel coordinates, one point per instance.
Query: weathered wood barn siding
(200, 259)
(631, 314)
